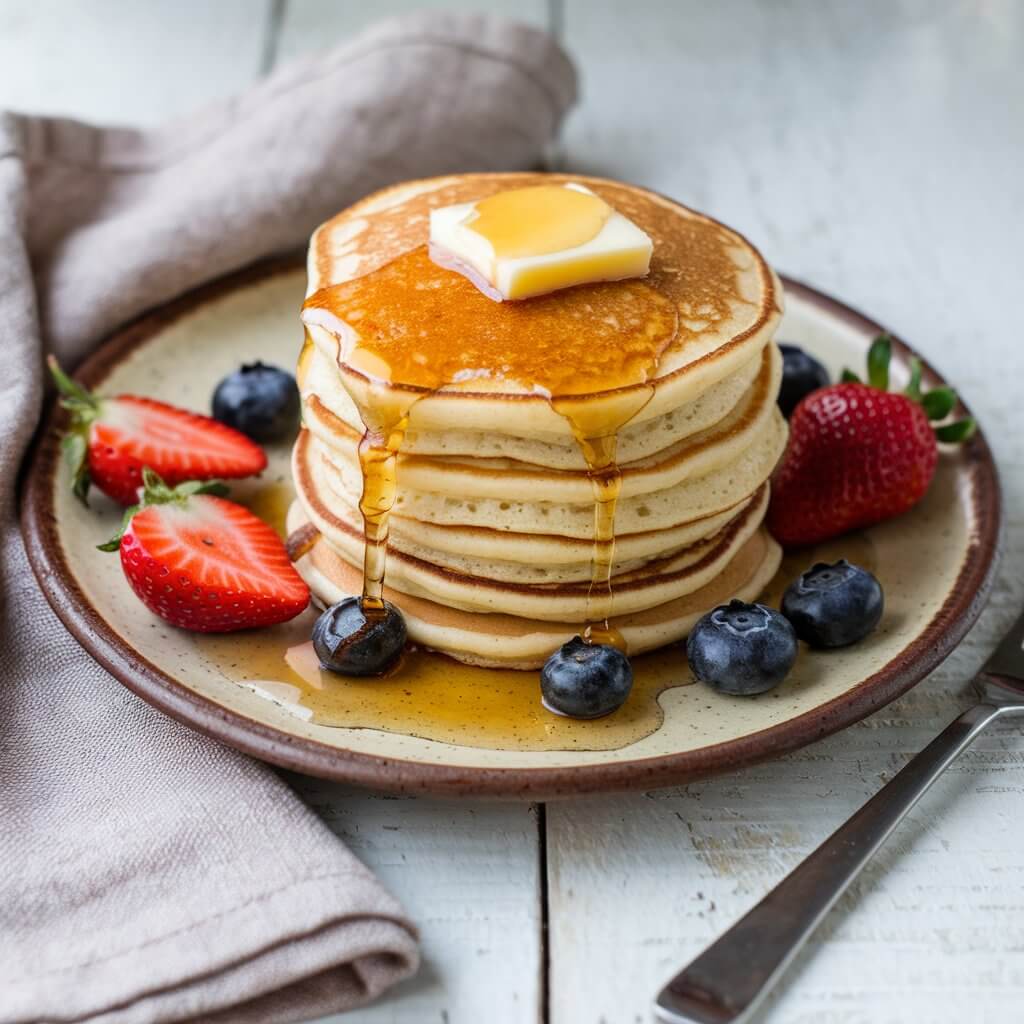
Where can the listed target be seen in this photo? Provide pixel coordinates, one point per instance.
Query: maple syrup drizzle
(596, 429)
(385, 420)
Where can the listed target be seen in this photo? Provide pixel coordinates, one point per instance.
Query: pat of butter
(531, 241)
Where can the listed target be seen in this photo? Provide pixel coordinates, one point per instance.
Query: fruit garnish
(259, 400)
(358, 641)
(112, 439)
(203, 563)
(801, 374)
(859, 454)
(742, 649)
(582, 680)
(834, 605)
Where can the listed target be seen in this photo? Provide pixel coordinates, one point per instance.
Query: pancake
(535, 549)
(327, 402)
(656, 582)
(509, 641)
(496, 566)
(687, 501)
(709, 292)
(704, 452)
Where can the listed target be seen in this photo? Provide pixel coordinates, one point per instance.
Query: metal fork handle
(724, 984)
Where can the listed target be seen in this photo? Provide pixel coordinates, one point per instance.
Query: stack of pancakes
(491, 542)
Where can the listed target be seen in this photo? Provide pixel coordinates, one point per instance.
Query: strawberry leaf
(115, 542)
(879, 356)
(849, 377)
(154, 490)
(73, 394)
(215, 487)
(84, 408)
(956, 433)
(913, 389)
(938, 403)
(75, 450)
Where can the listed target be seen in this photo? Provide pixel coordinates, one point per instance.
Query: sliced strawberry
(112, 439)
(859, 454)
(206, 564)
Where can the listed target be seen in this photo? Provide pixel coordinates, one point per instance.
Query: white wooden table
(873, 149)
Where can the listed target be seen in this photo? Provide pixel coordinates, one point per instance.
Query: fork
(727, 981)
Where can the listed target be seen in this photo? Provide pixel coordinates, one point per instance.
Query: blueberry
(801, 374)
(834, 605)
(741, 648)
(261, 401)
(584, 680)
(359, 642)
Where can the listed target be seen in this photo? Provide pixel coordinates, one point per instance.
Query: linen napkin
(148, 873)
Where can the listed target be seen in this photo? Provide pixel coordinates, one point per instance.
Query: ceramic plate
(936, 565)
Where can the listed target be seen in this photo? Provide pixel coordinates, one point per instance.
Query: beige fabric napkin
(147, 873)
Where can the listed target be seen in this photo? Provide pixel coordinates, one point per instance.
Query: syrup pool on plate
(435, 698)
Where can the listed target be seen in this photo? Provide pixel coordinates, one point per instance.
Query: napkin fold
(146, 872)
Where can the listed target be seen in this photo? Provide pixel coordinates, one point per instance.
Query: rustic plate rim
(140, 675)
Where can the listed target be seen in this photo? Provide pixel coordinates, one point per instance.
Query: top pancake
(708, 306)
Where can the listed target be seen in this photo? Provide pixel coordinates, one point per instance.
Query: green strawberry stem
(84, 407)
(73, 395)
(879, 356)
(913, 389)
(937, 403)
(156, 492)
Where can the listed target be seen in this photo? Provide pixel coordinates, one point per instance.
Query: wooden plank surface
(121, 61)
(469, 875)
(872, 150)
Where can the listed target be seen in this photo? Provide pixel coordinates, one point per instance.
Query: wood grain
(469, 874)
(868, 149)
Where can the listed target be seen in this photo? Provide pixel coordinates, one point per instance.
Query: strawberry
(203, 563)
(112, 439)
(859, 454)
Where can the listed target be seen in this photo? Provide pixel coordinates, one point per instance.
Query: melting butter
(539, 220)
(531, 241)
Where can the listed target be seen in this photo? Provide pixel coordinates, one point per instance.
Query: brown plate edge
(39, 528)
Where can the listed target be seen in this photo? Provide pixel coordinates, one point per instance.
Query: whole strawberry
(203, 563)
(859, 454)
(112, 439)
